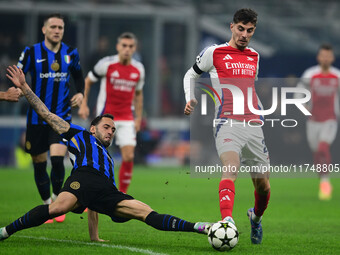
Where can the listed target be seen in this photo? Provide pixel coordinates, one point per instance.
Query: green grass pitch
(296, 222)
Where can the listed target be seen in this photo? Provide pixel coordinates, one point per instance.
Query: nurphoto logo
(244, 103)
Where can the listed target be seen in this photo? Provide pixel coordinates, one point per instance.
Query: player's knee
(230, 170)
(128, 157)
(58, 208)
(39, 158)
(229, 175)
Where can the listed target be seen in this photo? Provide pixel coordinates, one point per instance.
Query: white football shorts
(125, 133)
(245, 140)
(321, 132)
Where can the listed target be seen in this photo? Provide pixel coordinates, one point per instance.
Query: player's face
(104, 131)
(54, 30)
(325, 58)
(125, 48)
(241, 34)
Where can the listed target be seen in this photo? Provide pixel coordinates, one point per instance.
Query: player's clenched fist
(76, 100)
(11, 95)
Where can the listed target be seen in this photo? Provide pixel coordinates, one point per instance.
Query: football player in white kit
(237, 144)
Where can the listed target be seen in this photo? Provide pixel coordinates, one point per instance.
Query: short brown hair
(127, 35)
(97, 119)
(245, 16)
(53, 15)
(325, 46)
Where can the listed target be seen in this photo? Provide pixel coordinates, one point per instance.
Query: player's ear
(231, 26)
(92, 129)
(43, 29)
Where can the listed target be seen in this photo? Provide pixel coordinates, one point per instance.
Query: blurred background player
(50, 64)
(235, 63)
(122, 81)
(322, 81)
(11, 95)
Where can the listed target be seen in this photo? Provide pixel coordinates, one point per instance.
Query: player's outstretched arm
(84, 110)
(93, 226)
(17, 76)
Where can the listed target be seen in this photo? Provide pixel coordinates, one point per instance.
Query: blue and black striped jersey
(50, 74)
(89, 152)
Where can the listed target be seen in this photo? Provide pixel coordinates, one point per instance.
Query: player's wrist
(25, 88)
(83, 105)
(5, 95)
(84, 101)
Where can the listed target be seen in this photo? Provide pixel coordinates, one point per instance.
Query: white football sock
(4, 232)
(54, 197)
(47, 201)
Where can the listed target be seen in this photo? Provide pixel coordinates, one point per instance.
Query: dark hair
(245, 16)
(97, 119)
(127, 35)
(53, 15)
(325, 46)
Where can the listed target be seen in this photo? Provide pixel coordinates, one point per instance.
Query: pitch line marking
(114, 246)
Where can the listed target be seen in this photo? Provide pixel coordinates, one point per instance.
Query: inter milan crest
(55, 66)
(75, 185)
(28, 145)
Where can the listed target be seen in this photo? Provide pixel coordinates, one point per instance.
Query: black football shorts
(95, 192)
(40, 137)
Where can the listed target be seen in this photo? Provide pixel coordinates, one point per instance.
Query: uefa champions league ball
(223, 236)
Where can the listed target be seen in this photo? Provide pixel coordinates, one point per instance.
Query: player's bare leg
(64, 203)
(125, 171)
(57, 152)
(231, 161)
(134, 209)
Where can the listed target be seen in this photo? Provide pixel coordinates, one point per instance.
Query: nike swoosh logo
(40, 60)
